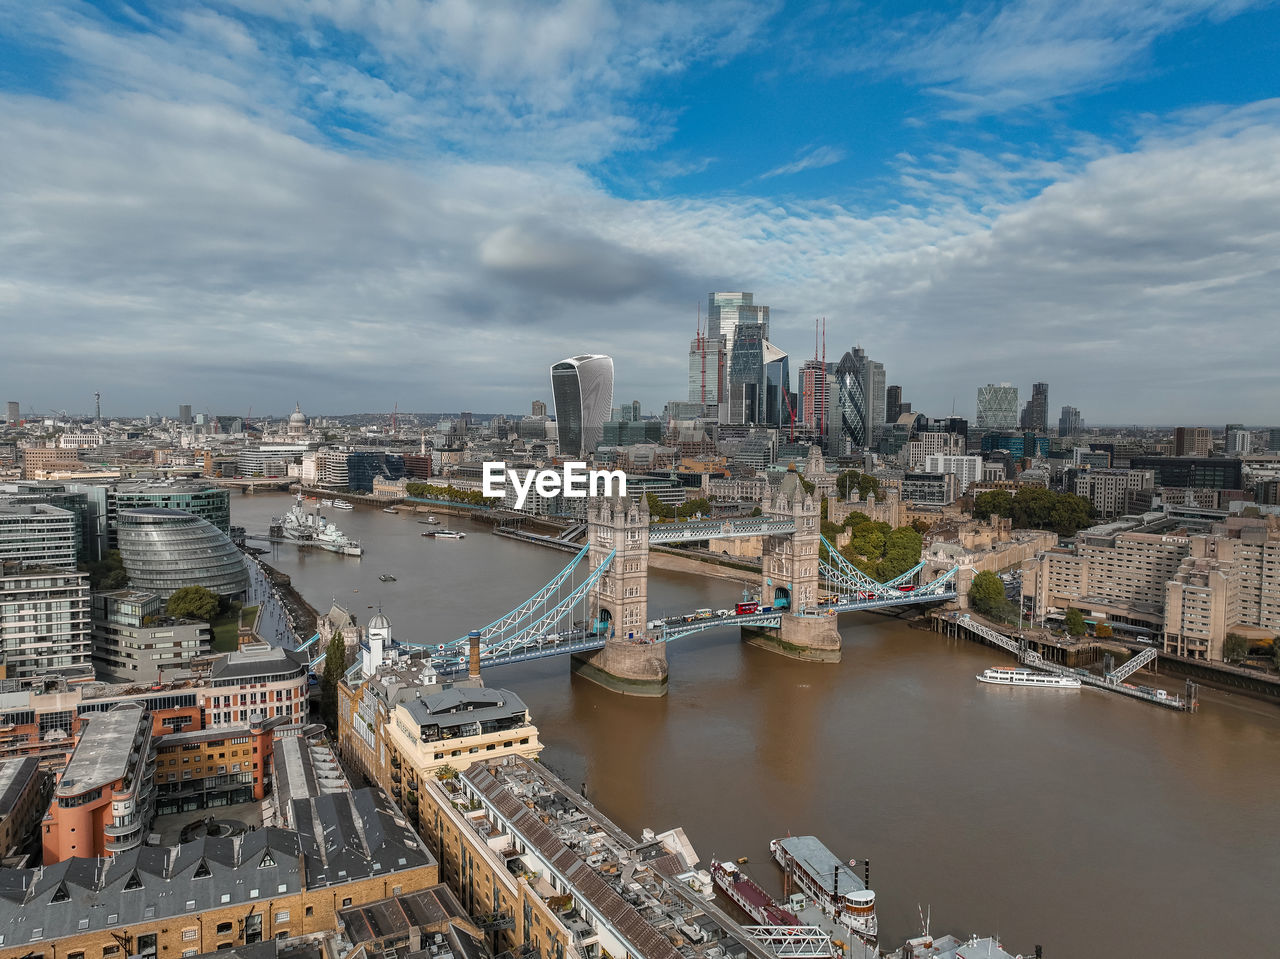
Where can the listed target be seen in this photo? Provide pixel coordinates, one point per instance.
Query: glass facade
(210, 503)
(164, 550)
(582, 388)
(746, 375)
(847, 422)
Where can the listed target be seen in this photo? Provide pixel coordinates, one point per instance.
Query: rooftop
(103, 754)
(15, 776)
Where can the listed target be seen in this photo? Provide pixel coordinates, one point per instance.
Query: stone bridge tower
(630, 661)
(790, 563)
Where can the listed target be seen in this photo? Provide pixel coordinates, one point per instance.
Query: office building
(873, 388)
(538, 408)
(38, 534)
(269, 459)
(725, 313)
(184, 414)
(631, 432)
(893, 403)
(12, 416)
(1108, 490)
(164, 550)
(746, 375)
(1035, 415)
(41, 462)
(582, 389)
(1018, 445)
(930, 489)
(1069, 421)
(776, 405)
(1273, 440)
(847, 406)
(44, 622)
(105, 797)
(1192, 441)
(135, 642)
(997, 407)
(354, 471)
(967, 469)
(1208, 472)
(209, 502)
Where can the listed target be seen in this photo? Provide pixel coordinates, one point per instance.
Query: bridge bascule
(596, 609)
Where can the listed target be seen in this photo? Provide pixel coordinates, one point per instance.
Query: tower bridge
(596, 609)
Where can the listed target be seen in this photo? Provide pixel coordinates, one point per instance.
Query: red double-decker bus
(746, 609)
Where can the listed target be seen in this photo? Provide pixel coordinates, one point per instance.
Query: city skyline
(428, 207)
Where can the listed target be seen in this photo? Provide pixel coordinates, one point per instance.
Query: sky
(357, 204)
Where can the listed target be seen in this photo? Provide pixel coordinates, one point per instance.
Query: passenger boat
(326, 502)
(444, 534)
(342, 504)
(1010, 676)
(429, 521)
(833, 886)
(389, 509)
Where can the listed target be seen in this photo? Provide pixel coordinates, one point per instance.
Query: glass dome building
(166, 549)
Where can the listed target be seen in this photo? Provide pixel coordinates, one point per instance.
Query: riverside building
(44, 622)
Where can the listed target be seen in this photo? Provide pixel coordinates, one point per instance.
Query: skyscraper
(725, 313)
(1069, 421)
(997, 407)
(1035, 415)
(746, 374)
(777, 387)
(13, 414)
(538, 408)
(184, 414)
(873, 387)
(1192, 441)
(582, 390)
(892, 404)
(707, 370)
(846, 407)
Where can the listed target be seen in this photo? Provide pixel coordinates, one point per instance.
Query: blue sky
(362, 202)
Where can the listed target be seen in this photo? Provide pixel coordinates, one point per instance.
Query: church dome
(379, 621)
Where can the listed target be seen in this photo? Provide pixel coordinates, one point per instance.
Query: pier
(962, 625)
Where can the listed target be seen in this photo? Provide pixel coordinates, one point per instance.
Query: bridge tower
(630, 661)
(790, 576)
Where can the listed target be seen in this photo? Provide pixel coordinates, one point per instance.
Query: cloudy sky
(357, 203)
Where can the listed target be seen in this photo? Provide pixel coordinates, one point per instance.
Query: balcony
(120, 833)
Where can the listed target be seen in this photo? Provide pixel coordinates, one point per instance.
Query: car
(722, 613)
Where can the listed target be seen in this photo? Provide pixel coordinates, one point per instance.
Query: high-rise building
(813, 395)
(538, 408)
(847, 408)
(708, 374)
(44, 621)
(184, 414)
(582, 390)
(39, 534)
(746, 375)
(1239, 442)
(1273, 439)
(1069, 422)
(1035, 415)
(13, 415)
(997, 407)
(1192, 441)
(873, 387)
(892, 404)
(725, 313)
(776, 406)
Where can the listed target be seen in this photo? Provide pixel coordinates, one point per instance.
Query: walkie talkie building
(582, 388)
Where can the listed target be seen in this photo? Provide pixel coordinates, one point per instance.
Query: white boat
(326, 502)
(389, 509)
(840, 893)
(445, 534)
(1010, 676)
(342, 504)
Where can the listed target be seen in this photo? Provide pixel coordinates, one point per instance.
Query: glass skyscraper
(582, 389)
(846, 407)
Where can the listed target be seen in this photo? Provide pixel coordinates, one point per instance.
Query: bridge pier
(814, 639)
(625, 666)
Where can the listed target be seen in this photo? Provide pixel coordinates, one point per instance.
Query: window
(309, 910)
(187, 935)
(282, 916)
(223, 929)
(283, 887)
(110, 950)
(346, 901)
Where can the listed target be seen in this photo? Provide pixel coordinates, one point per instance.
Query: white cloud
(811, 159)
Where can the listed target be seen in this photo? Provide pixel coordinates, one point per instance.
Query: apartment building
(1201, 605)
(135, 642)
(24, 795)
(38, 534)
(44, 622)
(104, 799)
(1108, 489)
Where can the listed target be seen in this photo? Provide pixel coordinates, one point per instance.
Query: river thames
(1093, 824)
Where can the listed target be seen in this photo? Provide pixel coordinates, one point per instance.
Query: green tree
(193, 602)
(994, 501)
(658, 508)
(986, 593)
(1103, 631)
(757, 511)
(853, 480)
(901, 552)
(1234, 648)
(334, 666)
(694, 506)
(1070, 514)
(1075, 622)
(108, 573)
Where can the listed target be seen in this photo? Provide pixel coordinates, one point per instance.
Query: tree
(108, 573)
(193, 602)
(853, 480)
(335, 663)
(1234, 648)
(901, 552)
(986, 593)
(1075, 622)
(1103, 631)
(994, 501)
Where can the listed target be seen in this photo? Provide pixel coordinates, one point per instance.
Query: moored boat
(833, 886)
(1011, 676)
(749, 897)
(444, 534)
